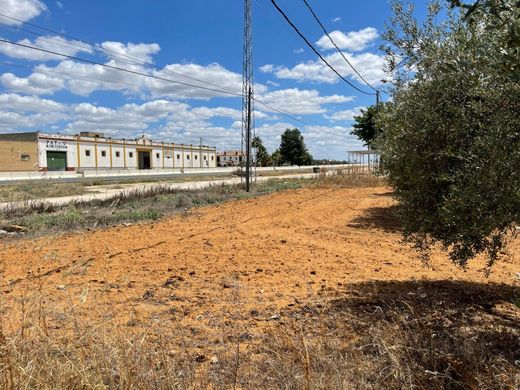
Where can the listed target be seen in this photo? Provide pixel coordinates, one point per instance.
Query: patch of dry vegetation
(349, 178)
(432, 334)
(128, 206)
(43, 189)
(435, 334)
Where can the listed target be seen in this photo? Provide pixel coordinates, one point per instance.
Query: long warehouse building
(37, 151)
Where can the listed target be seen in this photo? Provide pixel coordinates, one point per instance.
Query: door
(144, 160)
(57, 161)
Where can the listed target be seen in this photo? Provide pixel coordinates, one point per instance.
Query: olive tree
(452, 128)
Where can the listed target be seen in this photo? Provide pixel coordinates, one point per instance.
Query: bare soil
(250, 262)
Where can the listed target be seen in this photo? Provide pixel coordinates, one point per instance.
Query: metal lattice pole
(248, 92)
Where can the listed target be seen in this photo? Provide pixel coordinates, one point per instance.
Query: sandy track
(261, 254)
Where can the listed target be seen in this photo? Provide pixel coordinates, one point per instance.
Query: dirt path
(112, 190)
(260, 255)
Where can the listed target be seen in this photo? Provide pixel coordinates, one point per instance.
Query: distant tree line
(292, 150)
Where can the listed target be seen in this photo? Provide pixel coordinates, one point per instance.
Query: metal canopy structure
(363, 161)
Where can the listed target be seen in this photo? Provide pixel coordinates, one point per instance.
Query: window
(195, 157)
(118, 154)
(87, 152)
(157, 155)
(178, 157)
(103, 153)
(187, 157)
(25, 157)
(204, 158)
(212, 158)
(131, 154)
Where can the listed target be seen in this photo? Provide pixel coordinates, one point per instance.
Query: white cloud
(324, 145)
(82, 79)
(19, 103)
(59, 4)
(300, 102)
(354, 40)
(371, 66)
(23, 10)
(11, 121)
(298, 51)
(51, 43)
(151, 117)
(336, 20)
(35, 84)
(19, 112)
(345, 115)
(213, 76)
(169, 121)
(140, 51)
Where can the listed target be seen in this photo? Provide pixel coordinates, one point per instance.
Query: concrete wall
(11, 156)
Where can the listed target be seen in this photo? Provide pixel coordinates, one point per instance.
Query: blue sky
(198, 38)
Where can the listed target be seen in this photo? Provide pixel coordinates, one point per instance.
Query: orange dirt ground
(261, 254)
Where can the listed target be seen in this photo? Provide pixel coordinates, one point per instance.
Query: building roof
(29, 136)
(93, 136)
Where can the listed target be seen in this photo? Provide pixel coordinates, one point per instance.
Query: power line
(98, 47)
(154, 77)
(113, 67)
(281, 112)
(315, 50)
(287, 115)
(70, 76)
(336, 46)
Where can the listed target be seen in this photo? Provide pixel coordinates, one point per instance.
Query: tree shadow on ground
(385, 218)
(430, 334)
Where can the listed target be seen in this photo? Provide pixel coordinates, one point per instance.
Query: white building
(90, 151)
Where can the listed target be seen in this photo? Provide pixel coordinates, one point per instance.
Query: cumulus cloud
(19, 103)
(345, 115)
(153, 117)
(353, 40)
(300, 102)
(18, 113)
(370, 65)
(322, 144)
(121, 52)
(35, 84)
(22, 10)
(83, 79)
(51, 43)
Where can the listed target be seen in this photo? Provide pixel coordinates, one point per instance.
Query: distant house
(230, 158)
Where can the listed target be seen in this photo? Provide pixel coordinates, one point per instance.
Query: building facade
(230, 158)
(36, 151)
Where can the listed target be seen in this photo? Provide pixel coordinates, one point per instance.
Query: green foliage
(503, 16)
(262, 156)
(452, 131)
(293, 149)
(365, 127)
(276, 157)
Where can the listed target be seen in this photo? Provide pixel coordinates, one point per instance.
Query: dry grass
(372, 335)
(434, 335)
(32, 191)
(128, 206)
(345, 178)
